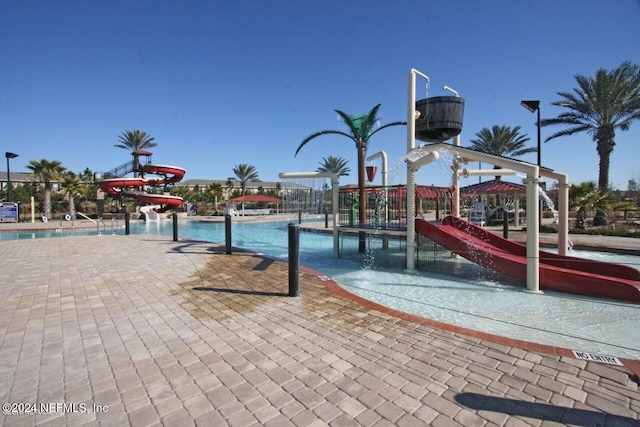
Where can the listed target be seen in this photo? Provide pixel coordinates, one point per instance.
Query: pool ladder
(114, 225)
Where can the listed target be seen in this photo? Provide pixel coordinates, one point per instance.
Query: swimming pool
(562, 320)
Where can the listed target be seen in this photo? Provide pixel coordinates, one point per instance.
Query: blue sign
(8, 212)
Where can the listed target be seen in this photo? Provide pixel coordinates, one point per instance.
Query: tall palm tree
(599, 106)
(245, 173)
(335, 165)
(361, 129)
(135, 140)
(46, 172)
(502, 141)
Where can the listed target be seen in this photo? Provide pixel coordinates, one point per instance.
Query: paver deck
(142, 330)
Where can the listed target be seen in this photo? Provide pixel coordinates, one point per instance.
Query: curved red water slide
(557, 272)
(126, 187)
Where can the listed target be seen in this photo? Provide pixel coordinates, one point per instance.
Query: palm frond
(322, 132)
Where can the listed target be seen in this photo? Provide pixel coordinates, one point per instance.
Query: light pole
(534, 106)
(9, 155)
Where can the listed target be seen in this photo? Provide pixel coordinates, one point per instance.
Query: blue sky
(218, 83)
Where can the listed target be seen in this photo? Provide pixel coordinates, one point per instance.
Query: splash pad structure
(561, 273)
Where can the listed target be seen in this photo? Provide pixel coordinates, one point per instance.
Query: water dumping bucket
(440, 118)
(371, 172)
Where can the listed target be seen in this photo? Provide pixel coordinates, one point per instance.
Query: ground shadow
(240, 291)
(542, 411)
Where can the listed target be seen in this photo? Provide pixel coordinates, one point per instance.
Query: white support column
(456, 179)
(563, 208)
(411, 184)
(533, 237)
(411, 219)
(563, 217)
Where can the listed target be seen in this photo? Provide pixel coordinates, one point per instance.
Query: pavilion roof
(494, 186)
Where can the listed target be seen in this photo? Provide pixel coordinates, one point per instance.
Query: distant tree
(245, 173)
(599, 106)
(335, 165)
(586, 197)
(46, 172)
(502, 141)
(135, 140)
(213, 193)
(361, 129)
(71, 187)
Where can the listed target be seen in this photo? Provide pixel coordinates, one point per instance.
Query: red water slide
(127, 187)
(559, 273)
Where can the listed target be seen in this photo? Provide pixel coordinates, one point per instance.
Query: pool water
(557, 319)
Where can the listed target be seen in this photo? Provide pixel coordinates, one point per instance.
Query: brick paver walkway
(141, 330)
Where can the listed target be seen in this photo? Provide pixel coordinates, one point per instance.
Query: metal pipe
(384, 165)
(371, 158)
(485, 172)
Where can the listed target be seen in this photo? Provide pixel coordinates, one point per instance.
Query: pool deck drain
(143, 330)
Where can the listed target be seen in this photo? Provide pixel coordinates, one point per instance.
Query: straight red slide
(559, 273)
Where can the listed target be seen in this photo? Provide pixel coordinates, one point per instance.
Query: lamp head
(10, 155)
(532, 106)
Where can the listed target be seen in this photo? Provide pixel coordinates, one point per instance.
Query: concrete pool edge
(631, 364)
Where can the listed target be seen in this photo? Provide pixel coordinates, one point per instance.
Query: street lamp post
(9, 155)
(534, 106)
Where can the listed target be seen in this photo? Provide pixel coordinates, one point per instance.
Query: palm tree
(335, 165)
(45, 172)
(245, 173)
(600, 105)
(71, 187)
(135, 140)
(361, 129)
(502, 141)
(586, 197)
(213, 192)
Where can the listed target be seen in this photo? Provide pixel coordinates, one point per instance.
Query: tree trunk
(46, 203)
(72, 206)
(604, 145)
(603, 174)
(362, 153)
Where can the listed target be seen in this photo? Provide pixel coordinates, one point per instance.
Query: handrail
(114, 224)
(104, 225)
(86, 217)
